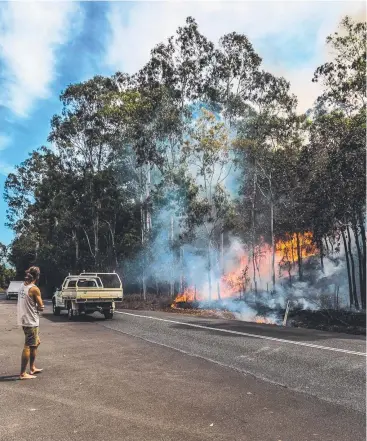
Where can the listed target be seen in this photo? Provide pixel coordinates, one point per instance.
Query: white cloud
(31, 33)
(137, 29)
(5, 141)
(6, 168)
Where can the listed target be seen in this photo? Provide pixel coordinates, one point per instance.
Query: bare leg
(32, 357)
(25, 359)
(33, 369)
(26, 354)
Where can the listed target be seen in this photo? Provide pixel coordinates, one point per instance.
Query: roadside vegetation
(198, 147)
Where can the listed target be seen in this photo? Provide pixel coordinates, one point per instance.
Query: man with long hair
(29, 304)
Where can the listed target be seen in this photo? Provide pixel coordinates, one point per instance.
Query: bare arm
(36, 294)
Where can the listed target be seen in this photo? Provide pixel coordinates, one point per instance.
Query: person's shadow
(9, 378)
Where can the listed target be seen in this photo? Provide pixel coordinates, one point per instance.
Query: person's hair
(32, 273)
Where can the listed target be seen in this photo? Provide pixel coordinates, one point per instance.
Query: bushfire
(295, 247)
(236, 282)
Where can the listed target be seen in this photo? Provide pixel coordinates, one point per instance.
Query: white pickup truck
(87, 293)
(13, 289)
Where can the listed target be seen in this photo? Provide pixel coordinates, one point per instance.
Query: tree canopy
(199, 146)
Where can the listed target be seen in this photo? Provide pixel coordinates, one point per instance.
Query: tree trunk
(96, 241)
(76, 254)
(181, 272)
(146, 226)
(36, 248)
(142, 230)
(88, 241)
(362, 286)
(221, 262)
(352, 267)
(321, 256)
(351, 299)
(299, 255)
(142, 223)
(363, 237)
(144, 284)
(209, 273)
(172, 282)
(326, 246)
(114, 253)
(290, 273)
(76, 242)
(147, 200)
(272, 244)
(222, 253)
(253, 227)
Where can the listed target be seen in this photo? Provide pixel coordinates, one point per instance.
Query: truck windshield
(87, 283)
(110, 280)
(14, 286)
(71, 284)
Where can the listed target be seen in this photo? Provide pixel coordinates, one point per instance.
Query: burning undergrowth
(189, 255)
(234, 288)
(234, 309)
(252, 297)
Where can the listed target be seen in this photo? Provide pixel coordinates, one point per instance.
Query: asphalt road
(327, 365)
(156, 376)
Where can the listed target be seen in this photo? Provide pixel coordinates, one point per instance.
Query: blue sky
(44, 46)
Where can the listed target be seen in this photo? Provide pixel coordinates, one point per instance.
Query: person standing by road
(29, 304)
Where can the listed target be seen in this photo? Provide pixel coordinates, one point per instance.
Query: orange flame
(189, 296)
(290, 248)
(264, 320)
(235, 283)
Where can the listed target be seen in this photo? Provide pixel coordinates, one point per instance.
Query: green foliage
(130, 151)
(6, 274)
(207, 154)
(344, 78)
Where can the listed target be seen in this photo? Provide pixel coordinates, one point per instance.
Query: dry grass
(152, 303)
(326, 320)
(156, 303)
(210, 313)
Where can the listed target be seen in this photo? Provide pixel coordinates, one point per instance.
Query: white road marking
(246, 334)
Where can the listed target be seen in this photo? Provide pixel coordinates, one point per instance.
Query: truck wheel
(55, 309)
(108, 314)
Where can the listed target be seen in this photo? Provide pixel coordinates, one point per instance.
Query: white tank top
(27, 308)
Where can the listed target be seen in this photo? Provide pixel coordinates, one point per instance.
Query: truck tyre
(108, 314)
(55, 309)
